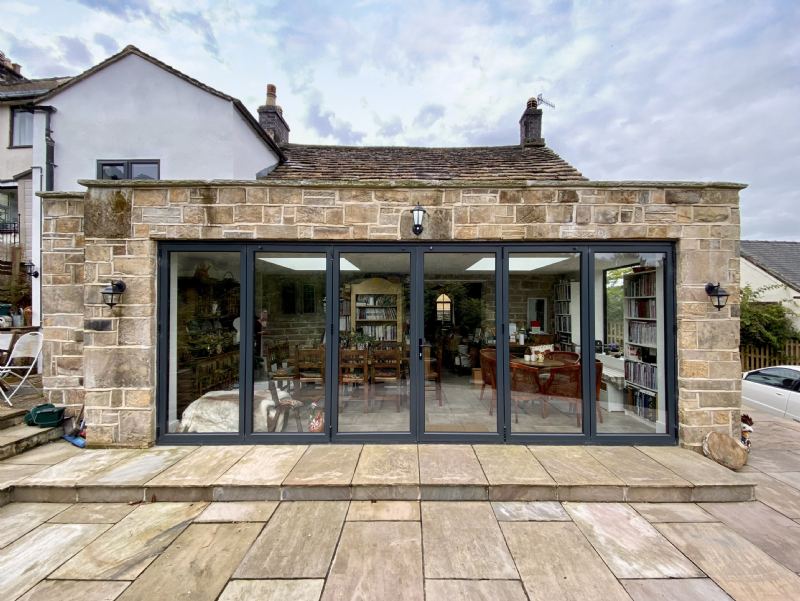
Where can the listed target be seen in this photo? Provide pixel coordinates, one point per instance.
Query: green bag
(46, 415)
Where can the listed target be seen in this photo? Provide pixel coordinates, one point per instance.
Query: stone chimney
(270, 117)
(9, 72)
(530, 125)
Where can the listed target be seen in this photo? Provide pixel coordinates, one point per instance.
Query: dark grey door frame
(416, 250)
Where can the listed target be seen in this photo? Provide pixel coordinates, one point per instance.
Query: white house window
(21, 128)
(126, 169)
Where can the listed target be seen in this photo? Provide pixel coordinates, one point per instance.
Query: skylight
(517, 263)
(308, 263)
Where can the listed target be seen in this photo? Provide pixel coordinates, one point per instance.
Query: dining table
(541, 375)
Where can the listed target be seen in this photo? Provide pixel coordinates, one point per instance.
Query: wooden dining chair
(565, 382)
(310, 363)
(563, 356)
(526, 386)
(433, 371)
(354, 372)
(488, 358)
(386, 370)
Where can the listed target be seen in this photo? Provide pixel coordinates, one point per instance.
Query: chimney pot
(17, 68)
(270, 117)
(530, 125)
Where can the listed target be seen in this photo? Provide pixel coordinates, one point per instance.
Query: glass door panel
(204, 326)
(458, 349)
(374, 318)
(544, 335)
(289, 342)
(629, 346)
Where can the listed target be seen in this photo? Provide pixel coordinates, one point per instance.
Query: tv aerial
(541, 100)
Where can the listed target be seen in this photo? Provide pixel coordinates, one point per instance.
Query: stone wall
(123, 225)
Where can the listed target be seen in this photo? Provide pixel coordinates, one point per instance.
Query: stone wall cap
(64, 194)
(481, 184)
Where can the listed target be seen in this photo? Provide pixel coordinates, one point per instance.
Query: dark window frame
(127, 166)
(14, 111)
(333, 249)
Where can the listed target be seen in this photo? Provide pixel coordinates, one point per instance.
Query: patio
(61, 473)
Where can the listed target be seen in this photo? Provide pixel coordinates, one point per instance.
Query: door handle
(420, 349)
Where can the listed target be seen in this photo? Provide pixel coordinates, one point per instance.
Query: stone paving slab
(20, 518)
(739, 567)
(529, 511)
(298, 541)
(99, 590)
(378, 511)
(778, 495)
(774, 460)
(474, 590)
(579, 476)
(11, 474)
(701, 589)
(273, 590)
(140, 468)
(238, 511)
(49, 454)
(463, 540)
(647, 480)
(628, 544)
(769, 530)
(124, 551)
(392, 465)
(673, 512)
(28, 560)
(377, 560)
(556, 561)
(201, 467)
(263, 466)
(196, 566)
(93, 513)
(324, 465)
(79, 467)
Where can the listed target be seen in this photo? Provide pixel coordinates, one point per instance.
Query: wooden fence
(756, 357)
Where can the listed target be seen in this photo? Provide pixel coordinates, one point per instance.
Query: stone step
(72, 493)
(20, 437)
(11, 417)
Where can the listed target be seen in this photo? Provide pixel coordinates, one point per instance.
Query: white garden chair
(28, 347)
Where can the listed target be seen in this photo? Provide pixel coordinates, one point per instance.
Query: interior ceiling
(436, 264)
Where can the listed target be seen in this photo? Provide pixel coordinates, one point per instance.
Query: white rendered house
(134, 117)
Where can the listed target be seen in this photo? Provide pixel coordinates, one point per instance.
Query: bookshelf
(566, 307)
(644, 344)
(376, 309)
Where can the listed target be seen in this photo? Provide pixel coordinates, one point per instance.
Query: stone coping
(317, 183)
(451, 472)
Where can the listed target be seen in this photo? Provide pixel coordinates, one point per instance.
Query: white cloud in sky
(644, 90)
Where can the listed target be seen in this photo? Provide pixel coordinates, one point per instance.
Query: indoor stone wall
(122, 223)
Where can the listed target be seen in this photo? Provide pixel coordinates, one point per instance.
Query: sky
(644, 90)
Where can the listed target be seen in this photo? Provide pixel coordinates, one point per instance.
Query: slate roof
(29, 89)
(488, 163)
(780, 259)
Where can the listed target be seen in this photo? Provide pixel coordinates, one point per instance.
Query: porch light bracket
(717, 294)
(30, 269)
(113, 293)
(417, 213)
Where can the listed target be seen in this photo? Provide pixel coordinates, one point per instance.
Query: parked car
(776, 389)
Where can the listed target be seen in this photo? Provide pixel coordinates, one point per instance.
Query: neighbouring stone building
(533, 306)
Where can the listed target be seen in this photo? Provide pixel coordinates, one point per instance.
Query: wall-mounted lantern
(30, 269)
(717, 294)
(417, 213)
(113, 293)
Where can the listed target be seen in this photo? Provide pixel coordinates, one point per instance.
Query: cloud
(128, 10)
(197, 22)
(390, 128)
(327, 125)
(428, 115)
(106, 42)
(75, 51)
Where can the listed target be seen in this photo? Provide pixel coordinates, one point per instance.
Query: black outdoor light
(717, 294)
(113, 293)
(30, 269)
(417, 213)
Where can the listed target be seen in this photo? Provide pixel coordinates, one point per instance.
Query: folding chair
(28, 346)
